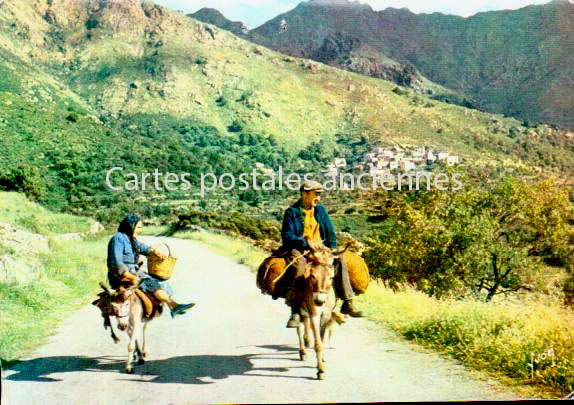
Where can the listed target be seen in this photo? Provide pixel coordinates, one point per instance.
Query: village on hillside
(382, 161)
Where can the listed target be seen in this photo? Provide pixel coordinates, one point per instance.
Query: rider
(307, 222)
(124, 262)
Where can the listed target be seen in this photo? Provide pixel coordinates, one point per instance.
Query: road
(233, 347)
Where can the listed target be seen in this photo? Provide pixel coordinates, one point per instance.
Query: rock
(96, 227)
(67, 237)
(13, 270)
(22, 241)
(351, 87)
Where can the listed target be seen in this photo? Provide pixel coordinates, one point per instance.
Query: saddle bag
(269, 273)
(358, 272)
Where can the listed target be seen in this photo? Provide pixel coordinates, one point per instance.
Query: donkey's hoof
(302, 356)
(130, 370)
(321, 375)
(116, 340)
(141, 361)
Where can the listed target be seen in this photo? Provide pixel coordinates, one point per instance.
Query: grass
(31, 312)
(17, 210)
(69, 275)
(500, 337)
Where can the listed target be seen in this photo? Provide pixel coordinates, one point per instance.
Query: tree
(482, 240)
(25, 179)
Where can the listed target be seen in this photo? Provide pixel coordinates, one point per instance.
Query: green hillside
(87, 86)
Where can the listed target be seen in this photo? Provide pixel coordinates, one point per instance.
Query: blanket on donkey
(116, 303)
(271, 271)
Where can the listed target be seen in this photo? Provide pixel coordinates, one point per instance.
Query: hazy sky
(256, 12)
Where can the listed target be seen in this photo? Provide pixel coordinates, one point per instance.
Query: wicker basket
(161, 268)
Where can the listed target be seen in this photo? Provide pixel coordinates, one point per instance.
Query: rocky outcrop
(214, 17)
(19, 252)
(348, 52)
(22, 242)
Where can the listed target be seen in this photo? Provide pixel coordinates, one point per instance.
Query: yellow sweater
(311, 226)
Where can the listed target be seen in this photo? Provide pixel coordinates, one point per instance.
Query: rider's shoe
(294, 321)
(180, 309)
(347, 309)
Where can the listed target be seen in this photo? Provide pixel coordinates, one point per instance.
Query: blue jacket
(293, 226)
(121, 254)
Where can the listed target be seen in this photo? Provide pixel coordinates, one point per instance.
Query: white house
(393, 165)
(407, 165)
(340, 162)
(419, 152)
(369, 157)
(330, 171)
(378, 173)
(381, 164)
(442, 156)
(430, 156)
(452, 160)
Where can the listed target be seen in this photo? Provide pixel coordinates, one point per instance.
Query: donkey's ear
(107, 289)
(338, 254)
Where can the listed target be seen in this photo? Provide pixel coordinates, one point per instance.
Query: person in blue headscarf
(124, 264)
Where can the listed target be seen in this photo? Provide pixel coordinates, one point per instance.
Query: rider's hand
(158, 254)
(130, 278)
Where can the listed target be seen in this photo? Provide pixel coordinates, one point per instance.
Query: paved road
(231, 348)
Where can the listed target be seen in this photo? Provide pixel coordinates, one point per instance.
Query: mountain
(89, 85)
(214, 17)
(516, 62)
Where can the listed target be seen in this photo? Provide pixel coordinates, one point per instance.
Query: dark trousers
(295, 278)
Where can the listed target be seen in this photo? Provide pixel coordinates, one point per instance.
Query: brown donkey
(143, 309)
(318, 303)
(133, 310)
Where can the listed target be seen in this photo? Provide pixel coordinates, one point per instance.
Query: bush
(236, 126)
(25, 179)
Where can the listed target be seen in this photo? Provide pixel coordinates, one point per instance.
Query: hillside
(214, 17)
(479, 56)
(87, 86)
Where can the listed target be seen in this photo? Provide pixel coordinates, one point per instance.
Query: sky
(256, 12)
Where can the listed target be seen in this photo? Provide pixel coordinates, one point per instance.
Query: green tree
(486, 241)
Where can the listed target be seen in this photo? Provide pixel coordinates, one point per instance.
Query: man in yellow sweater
(307, 221)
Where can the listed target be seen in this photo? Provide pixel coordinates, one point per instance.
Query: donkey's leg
(307, 323)
(300, 333)
(144, 340)
(327, 324)
(316, 328)
(133, 325)
(108, 323)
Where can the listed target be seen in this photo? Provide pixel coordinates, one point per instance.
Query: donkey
(141, 313)
(318, 303)
(135, 306)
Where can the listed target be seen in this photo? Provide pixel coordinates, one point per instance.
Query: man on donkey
(306, 222)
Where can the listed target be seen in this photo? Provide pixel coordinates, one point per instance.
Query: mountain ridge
(477, 56)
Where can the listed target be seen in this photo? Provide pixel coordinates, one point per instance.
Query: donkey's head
(322, 271)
